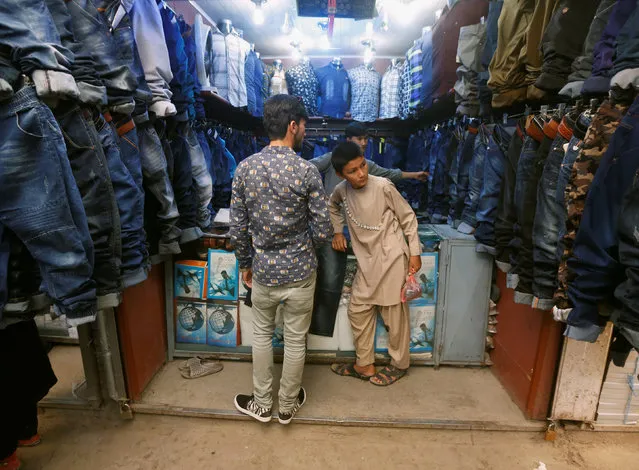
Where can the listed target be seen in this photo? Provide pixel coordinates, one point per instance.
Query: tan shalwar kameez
(380, 222)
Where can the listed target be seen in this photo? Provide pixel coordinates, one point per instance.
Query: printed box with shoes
(222, 325)
(190, 279)
(223, 276)
(422, 329)
(190, 322)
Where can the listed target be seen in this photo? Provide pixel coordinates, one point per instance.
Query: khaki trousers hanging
(363, 319)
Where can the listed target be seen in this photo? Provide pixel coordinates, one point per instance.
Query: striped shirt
(414, 59)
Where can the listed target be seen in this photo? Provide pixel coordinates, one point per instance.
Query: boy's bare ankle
(366, 370)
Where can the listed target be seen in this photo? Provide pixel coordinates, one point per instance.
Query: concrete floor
(91, 440)
(446, 396)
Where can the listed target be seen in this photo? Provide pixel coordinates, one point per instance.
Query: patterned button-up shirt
(414, 59)
(391, 92)
(404, 92)
(302, 82)
(278, 212)
(365, 86)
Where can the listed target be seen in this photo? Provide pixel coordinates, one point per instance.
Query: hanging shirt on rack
(414, 59)
(365, 85)
(219, 73)
(404, 91)
(334, 91)
(302, 82)
(391, 92)
(237, 50)
(278, 82)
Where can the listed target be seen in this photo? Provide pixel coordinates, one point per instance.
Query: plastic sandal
(348, 370)
(388, 376)
(202, 369)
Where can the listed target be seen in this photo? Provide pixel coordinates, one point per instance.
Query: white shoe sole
(287, 421)
(252, 415)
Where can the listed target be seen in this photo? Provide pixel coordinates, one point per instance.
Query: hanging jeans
(130, 204)
(183, 187)
(459, 177)
(202, 182)
(91, 174)
(469, 214)
(507, 211)
(331, 270)
(159, 192)
(595, 259)
(547, 223)
(494, 166)
(440, 188)
(596, 141)
(42, 205)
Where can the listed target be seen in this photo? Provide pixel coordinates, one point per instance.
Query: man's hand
(414, 264)
(247, 278)
(339, 242)
(416, 175)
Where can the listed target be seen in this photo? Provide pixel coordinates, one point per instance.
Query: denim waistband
(533, 130)
(24, 98)
(550, 129)
(564, 129)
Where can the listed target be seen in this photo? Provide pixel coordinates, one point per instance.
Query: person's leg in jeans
(297, 311)
(265, 301)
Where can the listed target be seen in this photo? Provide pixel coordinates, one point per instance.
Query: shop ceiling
(397, 25)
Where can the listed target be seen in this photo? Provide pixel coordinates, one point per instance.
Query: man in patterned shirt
(279, 214)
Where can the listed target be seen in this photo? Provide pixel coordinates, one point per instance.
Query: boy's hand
(339, 242)
(247, 278)
(414, 264)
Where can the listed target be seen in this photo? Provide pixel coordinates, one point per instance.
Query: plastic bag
(411, 290)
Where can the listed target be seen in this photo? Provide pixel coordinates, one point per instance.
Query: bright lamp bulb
(258, 15)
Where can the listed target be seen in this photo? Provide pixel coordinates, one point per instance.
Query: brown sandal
(387, 376)
(348, 370)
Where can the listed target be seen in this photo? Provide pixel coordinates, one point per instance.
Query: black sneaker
(285, 418)
(246, 404)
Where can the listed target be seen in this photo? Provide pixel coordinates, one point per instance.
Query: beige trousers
(363, 319)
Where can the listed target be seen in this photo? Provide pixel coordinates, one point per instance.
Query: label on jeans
(512, 280)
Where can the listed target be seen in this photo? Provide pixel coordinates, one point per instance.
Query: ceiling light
(258, 14)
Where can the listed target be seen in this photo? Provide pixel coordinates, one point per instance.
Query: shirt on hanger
(237, 50)
(334, 91)
(302, 82)
(391, 92)
(365, 86)
(414, 59)
(404, 91)
(219, 73)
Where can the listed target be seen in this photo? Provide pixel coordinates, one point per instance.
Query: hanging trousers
(363, 319)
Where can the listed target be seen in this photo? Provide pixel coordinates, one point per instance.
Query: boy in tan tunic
(383, 230)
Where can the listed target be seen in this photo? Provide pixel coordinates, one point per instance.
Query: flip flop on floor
(186, 365)
(201, 369)
(348, 370)
(387, 376)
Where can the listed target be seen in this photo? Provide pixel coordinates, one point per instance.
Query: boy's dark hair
(279, 111)
(344, 153)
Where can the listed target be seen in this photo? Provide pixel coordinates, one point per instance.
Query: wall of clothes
(107, 159)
